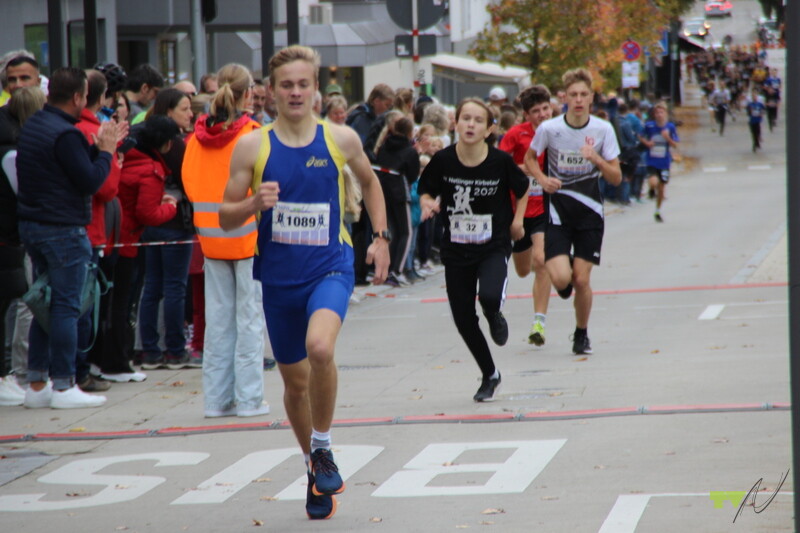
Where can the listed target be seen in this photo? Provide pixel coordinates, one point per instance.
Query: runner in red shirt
(528, 252)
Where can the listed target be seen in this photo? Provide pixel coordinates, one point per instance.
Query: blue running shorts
(289, 309)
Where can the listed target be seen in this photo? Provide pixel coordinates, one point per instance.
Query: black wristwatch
(385, 235)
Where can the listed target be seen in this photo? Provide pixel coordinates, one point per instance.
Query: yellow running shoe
(536, 336)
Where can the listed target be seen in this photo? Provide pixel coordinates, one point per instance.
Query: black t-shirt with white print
(476, 206)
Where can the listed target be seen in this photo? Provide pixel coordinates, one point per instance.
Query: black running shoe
(326, 474)
(658, 218)
(498, 327)
(566, 292)
(488, 388)
(581, 345)
(319, 507)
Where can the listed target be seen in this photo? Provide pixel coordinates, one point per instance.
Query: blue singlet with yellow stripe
(303, 237)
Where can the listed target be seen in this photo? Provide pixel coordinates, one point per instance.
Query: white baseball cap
(497, 93)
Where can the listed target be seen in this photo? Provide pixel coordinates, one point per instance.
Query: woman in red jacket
(144, 203)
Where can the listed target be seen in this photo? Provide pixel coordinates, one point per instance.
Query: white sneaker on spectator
(94, 370)
(75, 398)
(263, 409)
(38, 399)
(219, 413)
(125, 377)
(10, 393)
(14, 384)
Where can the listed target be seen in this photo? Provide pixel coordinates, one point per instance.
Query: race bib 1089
(298, 223)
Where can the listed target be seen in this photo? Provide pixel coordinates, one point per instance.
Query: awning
(470, 69)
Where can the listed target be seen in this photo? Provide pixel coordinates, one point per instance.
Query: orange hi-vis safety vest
(205, 175)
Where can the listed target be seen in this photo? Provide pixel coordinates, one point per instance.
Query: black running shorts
(585, 243)
(532, 225)
(661, 173)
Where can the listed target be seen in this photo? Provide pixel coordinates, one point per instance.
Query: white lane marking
(711, 312)
(715, 169)
(759, 167)
(628, 510)
(729, 304)
(754, 262)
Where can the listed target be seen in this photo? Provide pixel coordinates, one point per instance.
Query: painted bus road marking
(222, 486)
(511, 476)
(514, 475)
(83, 472)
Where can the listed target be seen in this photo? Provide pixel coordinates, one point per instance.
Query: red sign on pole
(632, 50)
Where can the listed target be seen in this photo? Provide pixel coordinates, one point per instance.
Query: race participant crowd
(737, 81)
(145, 227)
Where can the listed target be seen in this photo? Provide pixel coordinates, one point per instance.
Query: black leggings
(398, 217)
(486, 278)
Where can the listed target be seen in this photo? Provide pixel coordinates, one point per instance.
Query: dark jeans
(63, 252)
(487, 277)
(166, 276)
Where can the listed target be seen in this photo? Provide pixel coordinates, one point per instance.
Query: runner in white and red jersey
(580, 149)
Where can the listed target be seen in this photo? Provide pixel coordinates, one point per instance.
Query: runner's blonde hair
(290, 54)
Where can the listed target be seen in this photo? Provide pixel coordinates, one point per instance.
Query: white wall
(467, 18)
(396, 73)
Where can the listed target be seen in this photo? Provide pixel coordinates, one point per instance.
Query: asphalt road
(682, 406)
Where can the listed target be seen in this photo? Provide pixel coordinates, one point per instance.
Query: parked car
(696, 27)
(719, 8)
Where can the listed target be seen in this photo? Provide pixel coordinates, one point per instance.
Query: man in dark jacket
(362, 117)
(58, 173)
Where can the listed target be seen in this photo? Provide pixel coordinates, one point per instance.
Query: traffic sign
(429, 12)
(630, 74)
(632, 50)
(404, 45)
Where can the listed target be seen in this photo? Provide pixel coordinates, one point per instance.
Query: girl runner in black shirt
(469, 184)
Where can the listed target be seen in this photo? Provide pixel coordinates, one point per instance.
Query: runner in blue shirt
(659, 136)
(756, 110)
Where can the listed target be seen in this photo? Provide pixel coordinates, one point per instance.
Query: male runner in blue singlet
(304, 255)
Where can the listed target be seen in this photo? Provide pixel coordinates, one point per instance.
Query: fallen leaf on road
(177, 384)
(257, 522)
(416, 397)
(268, 499)
(262, 480)
(376, 519)
(656, 351)
(438, 367)
(493, 511)
(556, 393)
(581, 359)
(77, 430)
(722, 440)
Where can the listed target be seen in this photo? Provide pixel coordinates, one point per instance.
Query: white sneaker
(125, 377)
(75, 398)
(218, 413)
(38, 399)
(263, 409)
(14, 384)
(10, 393)
(94, 370)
